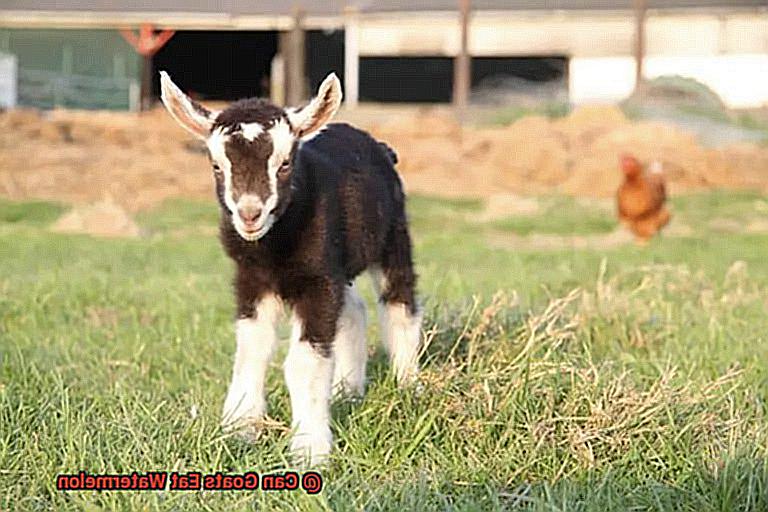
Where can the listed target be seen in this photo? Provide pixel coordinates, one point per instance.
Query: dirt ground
(138, 160)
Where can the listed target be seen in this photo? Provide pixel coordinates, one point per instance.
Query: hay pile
(82, 157)
(140, 160)
(103, 218)
(575, 155)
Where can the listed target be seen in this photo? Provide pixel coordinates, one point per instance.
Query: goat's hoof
(241, 409)
(410, 381)
(311, 449)
(244, 425)
(247, 432)
(346, 390)
(407, 378)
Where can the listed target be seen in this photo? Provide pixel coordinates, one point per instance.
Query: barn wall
(727, 51)
(606, 34)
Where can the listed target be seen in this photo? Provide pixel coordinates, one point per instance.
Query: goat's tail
(389, 151)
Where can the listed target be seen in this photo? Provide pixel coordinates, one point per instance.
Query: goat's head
(251, 145)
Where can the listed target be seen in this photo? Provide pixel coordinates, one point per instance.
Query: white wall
(600, 79)
(8, 80)
(741, 80)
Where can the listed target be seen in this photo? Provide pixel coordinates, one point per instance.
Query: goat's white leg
(400, 330)
(308, 374)
(256, 340)
(350, 349)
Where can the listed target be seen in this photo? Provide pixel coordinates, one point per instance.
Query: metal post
(462, 64)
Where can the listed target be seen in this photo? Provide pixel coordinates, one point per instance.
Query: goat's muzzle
(249, 210)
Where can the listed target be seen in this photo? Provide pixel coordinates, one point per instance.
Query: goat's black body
(346, 214)
(301, 221)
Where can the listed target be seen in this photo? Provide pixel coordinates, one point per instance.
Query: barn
(73, 54)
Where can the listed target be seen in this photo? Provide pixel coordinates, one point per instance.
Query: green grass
(508, 114)
(560, 216)
(37, 213)
(607, 379)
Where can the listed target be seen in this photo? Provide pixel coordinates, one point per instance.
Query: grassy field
(604, 378)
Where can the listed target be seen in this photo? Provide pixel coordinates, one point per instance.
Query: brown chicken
(641, 199)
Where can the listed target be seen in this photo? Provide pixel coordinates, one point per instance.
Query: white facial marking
(256, 340)
(217, 144)
(308, 376)
(282, 143)
(251, 130)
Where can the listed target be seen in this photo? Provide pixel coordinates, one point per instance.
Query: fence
(49, 89)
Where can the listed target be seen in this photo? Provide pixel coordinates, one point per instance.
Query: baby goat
(305, 208)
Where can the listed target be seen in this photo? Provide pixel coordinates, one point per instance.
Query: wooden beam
(640, 11)
(462, 67)
(295, 61)
(351, 57)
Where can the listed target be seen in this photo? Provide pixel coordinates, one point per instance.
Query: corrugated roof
(319, 7)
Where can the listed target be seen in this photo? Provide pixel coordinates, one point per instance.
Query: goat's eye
(285, 168)
(216, 168)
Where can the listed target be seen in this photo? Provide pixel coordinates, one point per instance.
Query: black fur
(341, 211)
(251, 110)
(391, 152)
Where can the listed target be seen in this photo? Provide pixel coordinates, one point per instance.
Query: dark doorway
(501, 80)
(406, 79)
(532, 69)
(218, 65)
(325, 53)
(430, 79)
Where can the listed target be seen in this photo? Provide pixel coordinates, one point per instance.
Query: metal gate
(49, 89)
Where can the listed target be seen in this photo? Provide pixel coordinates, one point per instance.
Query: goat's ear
(320, 110)
(194, 118)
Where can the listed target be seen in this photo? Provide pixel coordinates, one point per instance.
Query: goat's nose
(249, 213)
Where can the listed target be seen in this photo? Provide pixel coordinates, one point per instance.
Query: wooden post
(295, 61)
(145, 94)
(146, 44)
(462, 70)
(277, 80)
(640, 10)
(351, 57)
